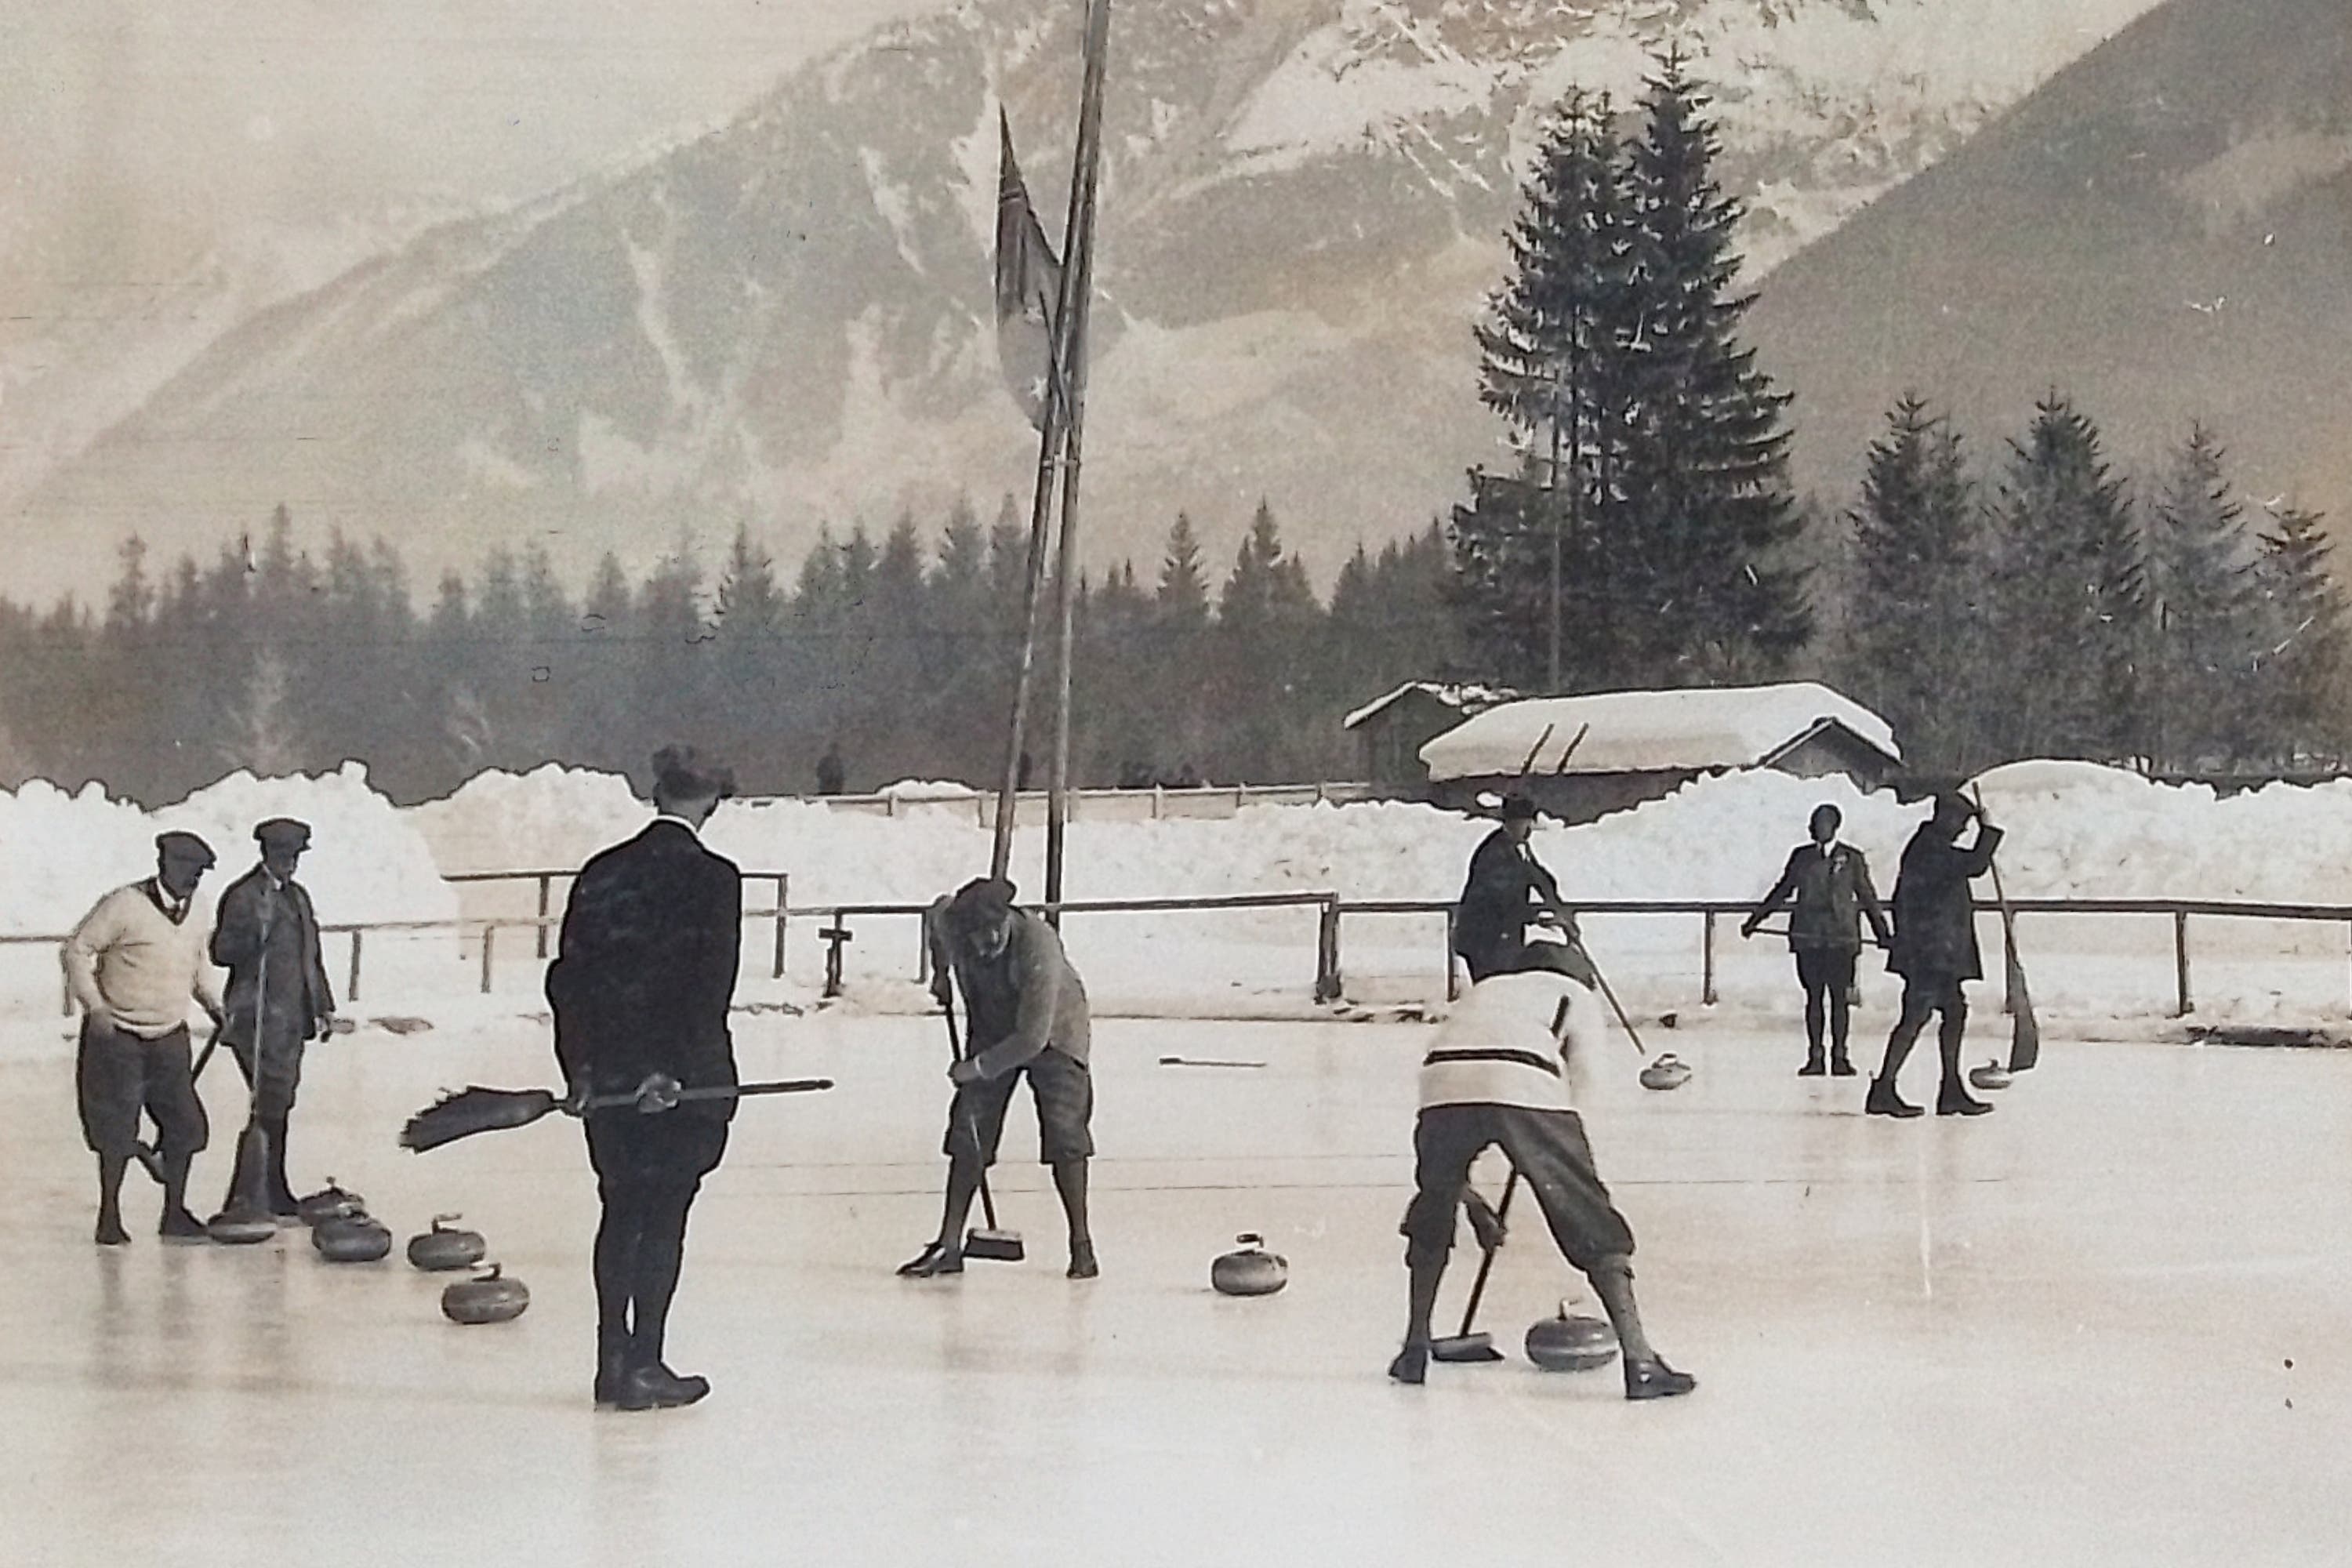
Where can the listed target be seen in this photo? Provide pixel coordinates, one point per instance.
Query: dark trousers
(1548, 1150)
(1926, 996)
(1827, 975)
(649, 1170)
(118, 1074)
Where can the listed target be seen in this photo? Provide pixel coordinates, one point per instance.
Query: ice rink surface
(2105, 1324)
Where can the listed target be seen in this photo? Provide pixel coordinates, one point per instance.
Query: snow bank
(927, 789)
(58, 853)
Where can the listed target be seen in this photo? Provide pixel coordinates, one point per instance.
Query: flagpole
(1085, 183)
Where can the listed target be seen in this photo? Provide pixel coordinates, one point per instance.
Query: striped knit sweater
(1509, 1042)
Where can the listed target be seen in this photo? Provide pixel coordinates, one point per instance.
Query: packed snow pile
(927, 789)
(550, 818)
(2075, 829)
(60, 853)
(1645, 731)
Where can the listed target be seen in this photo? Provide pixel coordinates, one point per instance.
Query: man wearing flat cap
(279, 1000)
(1506, 890)
(1026, 1011)
(652, 938)
(133, 963)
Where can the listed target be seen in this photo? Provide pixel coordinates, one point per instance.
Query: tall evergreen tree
(1704, 466)
(2205, 616)
(1179, 647)
(2304, 710)
(1919, 595)
(1549, 351)
(2070, 596)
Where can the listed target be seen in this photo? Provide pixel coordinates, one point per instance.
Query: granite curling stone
(487, 1298)
(442, 1248)
(331, 1203)
(1251, 1272)
(1992, 1075)
(1669, 1071)
(1571, 1342)
(356, 1238)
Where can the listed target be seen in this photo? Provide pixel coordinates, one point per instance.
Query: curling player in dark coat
(1935, 951)
(1508, 888)
(652, 938)
(1826, 885)
(267, 937)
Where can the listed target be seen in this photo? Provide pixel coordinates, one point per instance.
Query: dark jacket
(1028, 997)
(1833, 893)
(1935, 913)
(652, 937)
(1496, 897)
(299, 996)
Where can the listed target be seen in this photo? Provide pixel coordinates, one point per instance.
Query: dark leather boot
(1956, 1100)
(1885, 1101)
(656, 1387)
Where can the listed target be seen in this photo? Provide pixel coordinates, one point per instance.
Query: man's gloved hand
(966, 1071)
(659, 1092)
(1485, 1223)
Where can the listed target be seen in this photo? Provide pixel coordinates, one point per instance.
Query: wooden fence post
(489, 940)
(546, 887)
(352, 981)
(1327, 952)
(2180, 961)
(783, 883)
(1706, 961)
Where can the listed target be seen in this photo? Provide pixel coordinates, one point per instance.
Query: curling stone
(354, 1238)
(331, 1203)
(1571, 1342)
(441, 1248)
(240, 1229)
(1992, 1075)
(1669, 1071)
(1252, 1271)
(487, 1298)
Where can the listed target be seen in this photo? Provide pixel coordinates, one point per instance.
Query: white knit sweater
(1512, 1041)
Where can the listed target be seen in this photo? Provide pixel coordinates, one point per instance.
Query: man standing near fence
(651, 942)
(1935, 951)
(1827, 888)
(133, 964)
(278, 1001)
(1025, 1010)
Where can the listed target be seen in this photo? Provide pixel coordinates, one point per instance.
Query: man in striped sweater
(134, 964)
(1501, 1071)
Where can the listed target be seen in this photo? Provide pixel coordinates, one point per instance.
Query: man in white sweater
(1502, 1070)
(134, 965)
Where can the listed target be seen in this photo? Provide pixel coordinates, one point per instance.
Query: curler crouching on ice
(1500, 1071)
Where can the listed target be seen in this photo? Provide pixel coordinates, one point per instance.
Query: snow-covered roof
(1466, 698)
(1648, 732)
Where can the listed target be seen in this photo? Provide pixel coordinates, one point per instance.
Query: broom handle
(955, 1044)
(1486, 1266)
(1616, 1006)
(715, 1091)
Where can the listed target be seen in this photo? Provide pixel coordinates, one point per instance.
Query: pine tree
(1710, 519)
(2204, 614)
(262, 738)
(2070, 596)
(1180, 646)
(1918, 590)
(2303, 712)
(1549, 351)
(1264, 693)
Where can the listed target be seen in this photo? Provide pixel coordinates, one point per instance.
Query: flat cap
(1518, 808)
(283, 832)
(982, 897)
(188, 843)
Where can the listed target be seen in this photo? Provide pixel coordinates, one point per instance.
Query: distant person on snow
(1502, 1070)
(1827, 888)
(1506, 890)
(133, 963)
(1935, 951)
(279, 1000)
(1026, 1015)
(832, 776)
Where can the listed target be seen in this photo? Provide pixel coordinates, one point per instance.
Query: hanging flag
(1028, 287)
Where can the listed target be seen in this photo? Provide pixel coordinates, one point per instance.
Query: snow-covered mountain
(785, 320)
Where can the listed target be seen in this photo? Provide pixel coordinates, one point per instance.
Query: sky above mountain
(781, 322)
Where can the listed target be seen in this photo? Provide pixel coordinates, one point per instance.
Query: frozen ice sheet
(2103, 1325)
